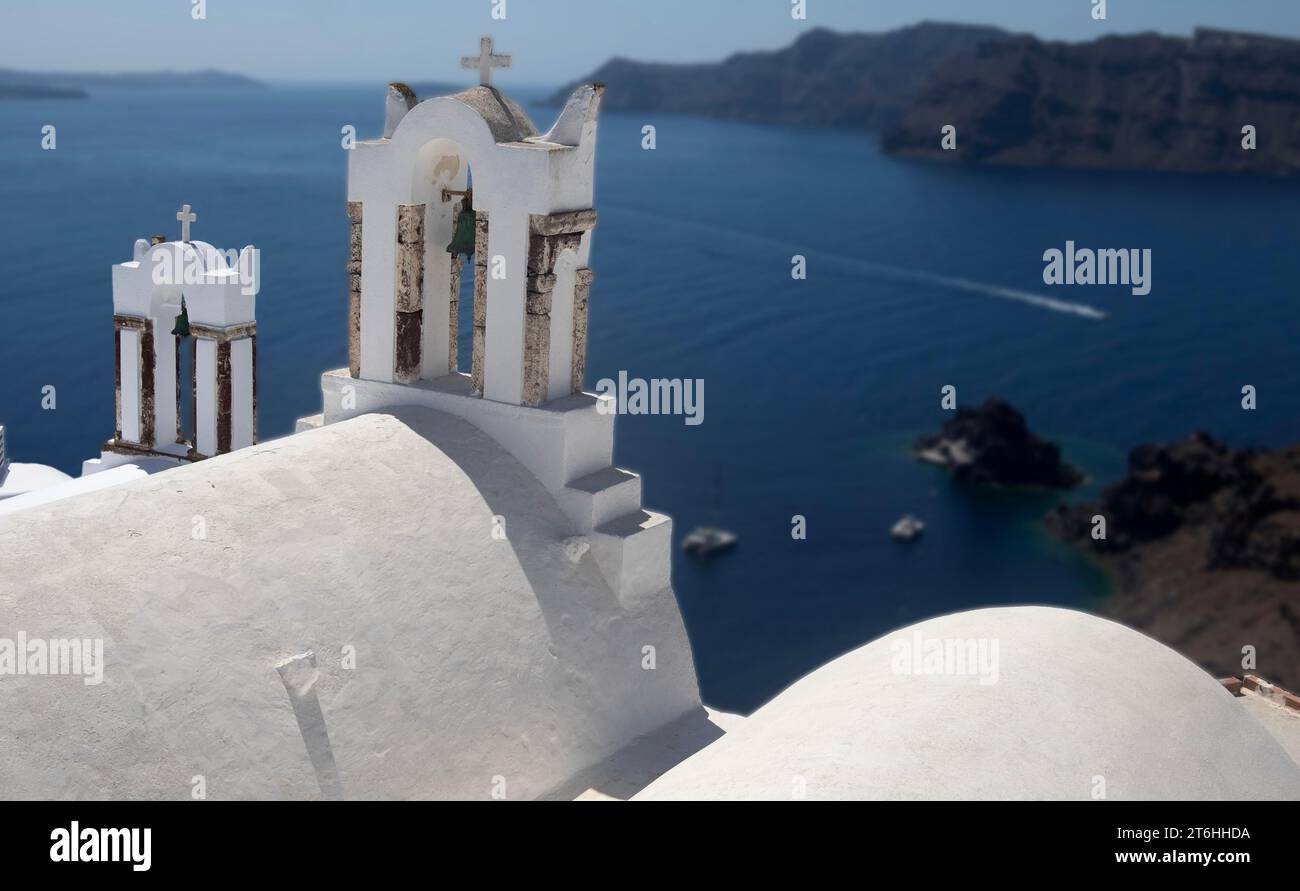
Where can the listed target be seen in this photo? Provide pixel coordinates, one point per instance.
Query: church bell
(462, 239)
(182, 326)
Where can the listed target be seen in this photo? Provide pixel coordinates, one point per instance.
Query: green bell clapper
(182, 326)
(462, 240)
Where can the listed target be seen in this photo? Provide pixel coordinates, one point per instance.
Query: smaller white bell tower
(169, 291)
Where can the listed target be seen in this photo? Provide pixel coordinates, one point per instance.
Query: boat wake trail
(897, 273)
(1050, 303)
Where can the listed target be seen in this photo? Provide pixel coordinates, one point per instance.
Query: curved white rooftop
(476, 657)
(1076, 698)
(19, 479)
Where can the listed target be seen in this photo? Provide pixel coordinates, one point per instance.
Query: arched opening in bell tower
(452, 310)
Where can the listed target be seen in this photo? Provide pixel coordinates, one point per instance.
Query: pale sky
(552, 40)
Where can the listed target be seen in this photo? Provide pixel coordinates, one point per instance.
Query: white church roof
(1080, 705)
(481, 663)
(18, 479)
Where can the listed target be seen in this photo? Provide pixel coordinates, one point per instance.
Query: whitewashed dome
(505, 118)
(1077, 698)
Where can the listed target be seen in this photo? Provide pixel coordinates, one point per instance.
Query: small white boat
(705, 541)
(907, 528)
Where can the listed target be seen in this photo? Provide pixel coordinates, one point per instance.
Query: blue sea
(814, 389)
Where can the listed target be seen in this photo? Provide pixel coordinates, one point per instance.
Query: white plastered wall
(130, 353)
(241, 393)
(205, 402)
(164, 386)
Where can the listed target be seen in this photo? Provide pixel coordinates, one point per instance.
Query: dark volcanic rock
(1246, 502)
(993, 444)
(1134, 102)
(1203, 543)
(849, 80)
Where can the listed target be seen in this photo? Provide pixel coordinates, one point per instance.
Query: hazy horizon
(330, 41)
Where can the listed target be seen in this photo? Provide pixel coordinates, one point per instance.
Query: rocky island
(1203, 546)
(992, 444)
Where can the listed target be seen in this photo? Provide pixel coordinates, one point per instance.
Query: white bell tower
(526, 221)
(167, 291)
(469, 174)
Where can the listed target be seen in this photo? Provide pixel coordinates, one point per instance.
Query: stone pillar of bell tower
(225, 388)
(408, 324)
(555, 326)
(224, 328)
(135, 357)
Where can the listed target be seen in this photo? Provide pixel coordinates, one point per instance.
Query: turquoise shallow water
(813, 389)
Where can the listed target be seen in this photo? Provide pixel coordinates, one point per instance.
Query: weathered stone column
(148, 370)
(581, 302)
(117, 378)
(477, 360)
(194, 395)
(134, 380)
(537, 337)
(408, 331)
(354, 289)
(176, 343)
(252, 351)
(224, 397)
(549, 237)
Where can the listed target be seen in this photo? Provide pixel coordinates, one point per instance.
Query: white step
(599, 497)
(634, 552)
(588, 434)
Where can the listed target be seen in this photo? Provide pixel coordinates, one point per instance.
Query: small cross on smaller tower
(186, 216)
(485, 61)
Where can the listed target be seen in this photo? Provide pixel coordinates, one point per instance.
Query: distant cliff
(1203, 542)
(1136, 102)
(825, 78)
(43, 85)
(33, 91)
